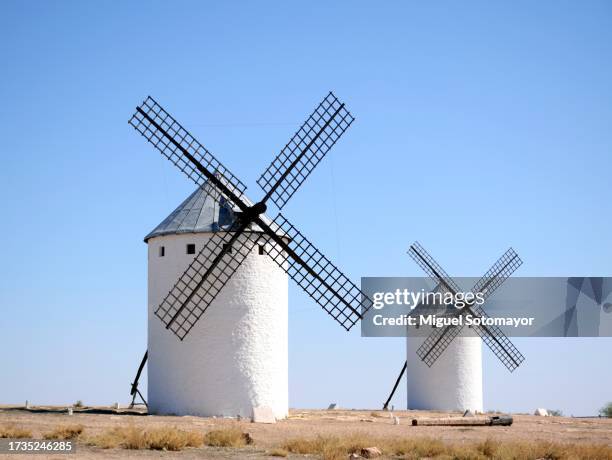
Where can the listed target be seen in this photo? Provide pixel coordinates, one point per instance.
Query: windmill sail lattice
(175, 143)
(305, 150)
(212, 268)
(323, 288)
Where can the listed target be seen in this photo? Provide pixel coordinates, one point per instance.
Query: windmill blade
(316, 274)
(199, 285)
(432, 268)
(305, 150)
(435, 344)
(493, 336)
(501, 270)
(175, 143)
(498, 342)
(501, 346)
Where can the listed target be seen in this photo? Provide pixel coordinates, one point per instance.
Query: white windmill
(219, 250)
(455, 382)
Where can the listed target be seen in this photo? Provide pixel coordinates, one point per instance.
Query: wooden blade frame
(305, 150)
(175, 143)
(318, 276)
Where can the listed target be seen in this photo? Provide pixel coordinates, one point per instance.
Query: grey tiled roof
(200, 213)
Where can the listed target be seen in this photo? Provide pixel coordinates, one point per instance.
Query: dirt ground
(300, 424)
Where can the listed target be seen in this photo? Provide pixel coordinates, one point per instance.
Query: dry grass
(379, 414)
(278, 453)
(135, 438)
(128, 438)
(228, 437)
(335, 448)
(328, 447)
(65, 432)
(13, 432)
(173, 439)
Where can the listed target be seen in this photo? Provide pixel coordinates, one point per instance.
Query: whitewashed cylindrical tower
(453, 382)
(235, 358)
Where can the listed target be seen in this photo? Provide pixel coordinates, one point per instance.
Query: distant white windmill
(219, 250)
(455, 382)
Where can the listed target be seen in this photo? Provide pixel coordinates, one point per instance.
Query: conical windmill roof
(200, 213)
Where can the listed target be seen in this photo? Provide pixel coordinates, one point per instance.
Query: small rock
(371, 452)
(541, 412)
(396, 420)
(263, 414)
(332, 406)
(469, 413)
(354, 456)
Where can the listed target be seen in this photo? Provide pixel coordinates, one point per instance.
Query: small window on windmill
(162, 251)
(262, 249)
(191, 248)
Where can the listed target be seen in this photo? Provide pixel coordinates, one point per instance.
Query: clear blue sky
(480, 125)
